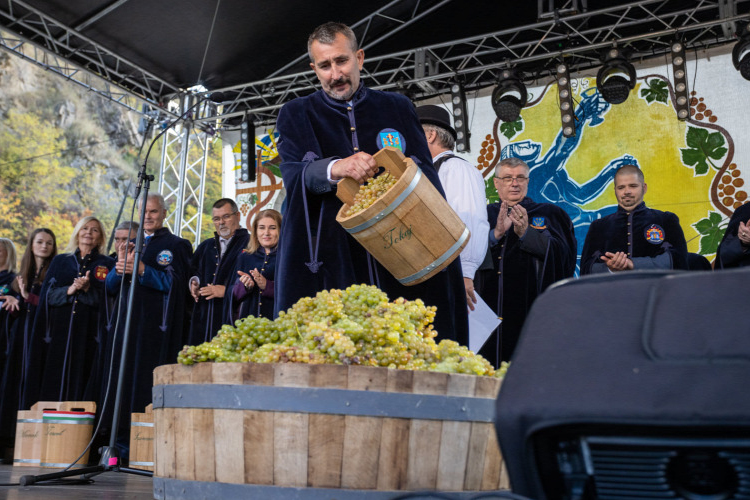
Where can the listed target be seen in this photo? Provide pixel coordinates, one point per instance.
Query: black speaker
(632, 385)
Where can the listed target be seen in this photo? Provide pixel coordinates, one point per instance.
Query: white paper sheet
(482, 322)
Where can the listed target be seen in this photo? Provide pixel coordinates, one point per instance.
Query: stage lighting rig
(509, 97)
(616, 78)
(741, 53)
(679, 77)
(247, 163)
(460, 118)
(565, 95)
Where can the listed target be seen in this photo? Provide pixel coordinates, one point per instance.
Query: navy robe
(651, 238)
(8, 323)
(522, 269)
(314, 130)
(157, 321)
(242, 302)
(66, 333)
(6, 319)
(214, 269)
(731, 252)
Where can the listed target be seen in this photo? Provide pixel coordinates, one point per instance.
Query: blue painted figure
(549, 180)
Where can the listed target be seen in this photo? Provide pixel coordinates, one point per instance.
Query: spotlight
(616, 78)
(741, 54)
(509, 96)
(679, 77)
(247, 169)
(565, 95)
(460, 121)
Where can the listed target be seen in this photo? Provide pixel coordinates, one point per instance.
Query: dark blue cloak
(214, 269)
(8, 322)
(158, 318)
(522, 269)
(314, 130)
(242, 302)
(644, 232)
(66, 336)
(731, 253)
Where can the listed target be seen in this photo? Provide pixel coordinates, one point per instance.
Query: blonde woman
(69, 318)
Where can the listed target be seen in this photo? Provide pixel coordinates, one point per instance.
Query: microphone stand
(110, 456)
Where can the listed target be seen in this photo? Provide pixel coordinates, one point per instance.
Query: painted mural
(692, 168)
(695, 168)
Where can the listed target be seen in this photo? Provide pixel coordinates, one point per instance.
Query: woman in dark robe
(253, 288)
(66, 333)
(40, 250)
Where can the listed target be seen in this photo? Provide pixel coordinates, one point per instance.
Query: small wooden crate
(411, 230)
(142, 439)
(269, 431)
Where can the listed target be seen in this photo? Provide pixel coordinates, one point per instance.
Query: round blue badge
(654, 234)
(391, 138)
(164, 258)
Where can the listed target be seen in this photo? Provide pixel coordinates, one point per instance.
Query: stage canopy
(252, 53)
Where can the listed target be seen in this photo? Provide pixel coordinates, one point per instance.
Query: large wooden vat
(411, 230)
(321, 431)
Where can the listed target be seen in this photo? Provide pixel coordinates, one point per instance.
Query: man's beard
(338, 96)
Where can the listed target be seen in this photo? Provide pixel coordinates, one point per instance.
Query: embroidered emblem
(654, 234)
(100, 273)
(389, 137)
(4, 289)
(538, 223)
(164, 258)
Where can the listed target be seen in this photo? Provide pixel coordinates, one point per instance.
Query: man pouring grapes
(332, 134)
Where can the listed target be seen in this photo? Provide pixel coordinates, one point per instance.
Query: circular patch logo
(389, 137)
(654, 234)
(164, 258)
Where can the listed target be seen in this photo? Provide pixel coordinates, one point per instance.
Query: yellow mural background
(649, 132)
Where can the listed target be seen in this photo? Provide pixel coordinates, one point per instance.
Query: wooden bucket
(30, 443)
(67, 433)
(142, 439)
(283, 431)
(411, 230)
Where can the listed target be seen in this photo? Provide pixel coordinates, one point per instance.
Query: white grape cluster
(357, 326)
(371, 191)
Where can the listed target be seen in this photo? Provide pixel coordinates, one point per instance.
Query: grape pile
(371, 191)
(358, 326)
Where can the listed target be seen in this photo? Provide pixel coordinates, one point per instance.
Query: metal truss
(645, 29)
(63, 50)
(183, 168)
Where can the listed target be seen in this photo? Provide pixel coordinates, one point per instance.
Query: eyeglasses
(225, 218)
(509, 180)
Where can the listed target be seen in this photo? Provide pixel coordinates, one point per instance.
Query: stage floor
(109, 486)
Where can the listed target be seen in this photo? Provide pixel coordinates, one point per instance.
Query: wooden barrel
(30, 444)
(411, 230)
(322, 431)
(142, 439)
(67, 434)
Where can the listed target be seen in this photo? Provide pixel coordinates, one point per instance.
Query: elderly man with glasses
(212, 265)
(532, 244)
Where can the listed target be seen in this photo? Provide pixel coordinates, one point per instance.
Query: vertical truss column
(182, 174)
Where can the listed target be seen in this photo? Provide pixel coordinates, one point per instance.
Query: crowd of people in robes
(63, 316)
